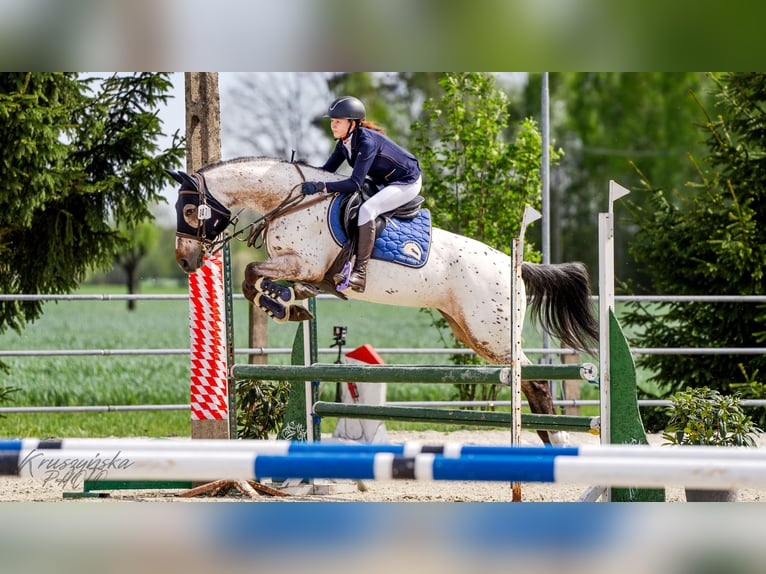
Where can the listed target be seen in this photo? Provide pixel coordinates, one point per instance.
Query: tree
(709, 238)
(607, 123)
(141, 239)
(478, 183)
(274, 114)
(79, 160)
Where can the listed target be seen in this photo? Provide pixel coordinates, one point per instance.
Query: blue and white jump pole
(142, 459)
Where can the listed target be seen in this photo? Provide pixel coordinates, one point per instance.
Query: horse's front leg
(274, 298)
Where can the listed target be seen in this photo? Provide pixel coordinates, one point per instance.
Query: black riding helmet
(346, 108)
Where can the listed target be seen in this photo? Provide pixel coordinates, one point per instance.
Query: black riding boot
(364, 246)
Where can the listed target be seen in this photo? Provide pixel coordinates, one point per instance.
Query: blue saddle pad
(403, 241)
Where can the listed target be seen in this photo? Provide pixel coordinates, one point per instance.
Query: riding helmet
(346, 108)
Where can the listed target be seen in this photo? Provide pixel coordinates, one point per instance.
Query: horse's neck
(260, 184)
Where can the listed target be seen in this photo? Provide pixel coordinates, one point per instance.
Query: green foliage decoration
(703, 416)
(261, 407)
(752, 387)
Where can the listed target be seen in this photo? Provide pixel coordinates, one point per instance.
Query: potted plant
(703, 416)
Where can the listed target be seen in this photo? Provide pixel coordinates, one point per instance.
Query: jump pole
(427, 374)
(256, 446)
(11, 447)
(644, 469)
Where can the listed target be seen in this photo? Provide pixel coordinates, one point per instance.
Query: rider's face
(339, 127)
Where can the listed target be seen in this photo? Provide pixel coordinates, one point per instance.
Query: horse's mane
(319, 175)
(249, 159)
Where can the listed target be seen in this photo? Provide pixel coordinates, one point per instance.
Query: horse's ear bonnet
(184, 179)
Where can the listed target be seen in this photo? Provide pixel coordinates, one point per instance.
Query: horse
(466, 281)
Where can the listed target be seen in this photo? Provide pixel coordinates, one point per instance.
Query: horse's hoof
(272, 308)
(280, 293)
(299, 313)
(304, 291)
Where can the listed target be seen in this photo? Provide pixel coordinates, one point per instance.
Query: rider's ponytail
(372, 126)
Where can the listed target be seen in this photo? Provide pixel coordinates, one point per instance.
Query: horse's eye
(190, 210)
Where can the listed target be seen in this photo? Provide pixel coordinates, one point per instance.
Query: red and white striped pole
(209, 389)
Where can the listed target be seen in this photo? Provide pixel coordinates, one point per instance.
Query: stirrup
(341, 279)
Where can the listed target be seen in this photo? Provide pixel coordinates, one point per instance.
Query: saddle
(349, 211)
(399, 245)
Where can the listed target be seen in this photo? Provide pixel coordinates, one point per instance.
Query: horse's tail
(559, 299)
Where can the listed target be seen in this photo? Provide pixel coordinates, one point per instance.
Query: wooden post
(203, 119)
(258, 335)
(203, 146)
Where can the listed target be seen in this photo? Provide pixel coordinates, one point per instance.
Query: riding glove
(312, 187)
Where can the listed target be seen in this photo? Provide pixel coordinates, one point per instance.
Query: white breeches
(388, 198)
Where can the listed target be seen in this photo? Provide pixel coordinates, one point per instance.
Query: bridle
(214, 217)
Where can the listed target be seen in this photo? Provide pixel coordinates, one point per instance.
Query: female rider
(394, 171)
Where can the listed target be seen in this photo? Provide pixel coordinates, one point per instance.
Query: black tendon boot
(364, 246)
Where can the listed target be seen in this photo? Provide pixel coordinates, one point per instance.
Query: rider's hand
(312, 187)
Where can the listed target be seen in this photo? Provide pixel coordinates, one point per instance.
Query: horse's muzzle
(189, 254)
(185, 265)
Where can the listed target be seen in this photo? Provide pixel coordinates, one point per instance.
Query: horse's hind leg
(538, 394)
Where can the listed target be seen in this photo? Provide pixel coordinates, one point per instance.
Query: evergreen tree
(709, 238)
(79, 160)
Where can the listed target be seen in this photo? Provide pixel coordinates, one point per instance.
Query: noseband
(213, 217)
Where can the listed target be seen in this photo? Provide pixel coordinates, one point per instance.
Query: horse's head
(200, 218)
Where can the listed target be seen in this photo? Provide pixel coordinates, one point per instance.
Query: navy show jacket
(373, 156)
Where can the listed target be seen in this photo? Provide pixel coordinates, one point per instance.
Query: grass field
(134, 380)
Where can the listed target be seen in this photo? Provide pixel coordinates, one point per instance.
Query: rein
(291, 204)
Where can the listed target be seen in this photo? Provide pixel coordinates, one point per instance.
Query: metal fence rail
(390, 351)
(387, 351)
(436, 404)
(381, 350)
